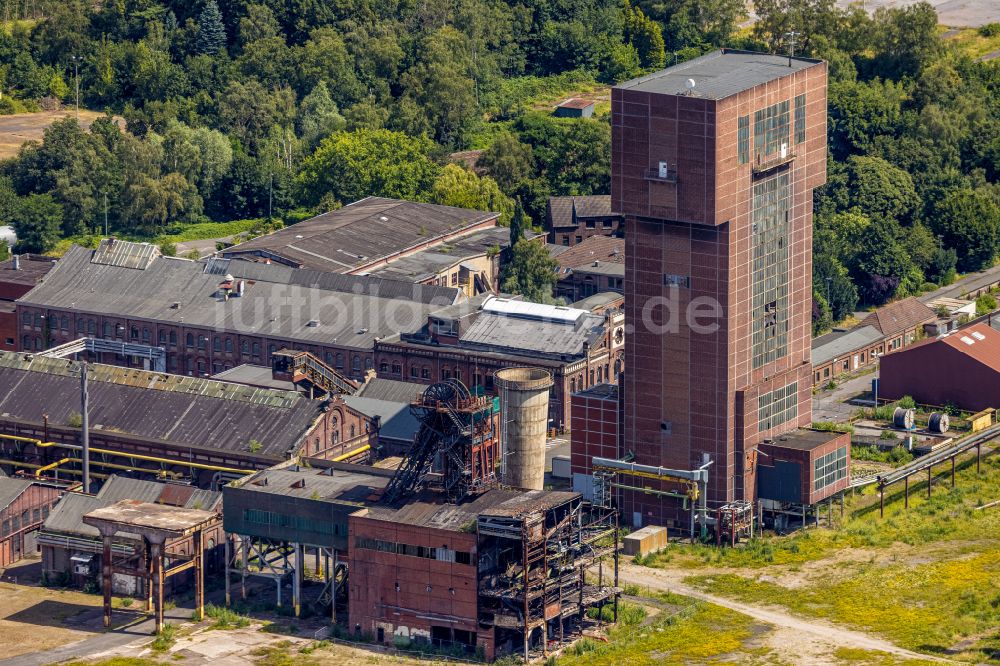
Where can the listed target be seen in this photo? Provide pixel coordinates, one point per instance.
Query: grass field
(970, 42)
(926, 578)
(19, 128)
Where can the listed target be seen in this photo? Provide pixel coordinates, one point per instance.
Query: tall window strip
(770, 131)
(800, 118)
(743, 139)
(777, 407)
(830, 468)
(771, 199)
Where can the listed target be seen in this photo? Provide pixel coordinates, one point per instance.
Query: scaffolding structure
(734, 521)
(301, 367)
(458, 434)
(532, 564)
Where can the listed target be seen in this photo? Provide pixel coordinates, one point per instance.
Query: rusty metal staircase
(301, 366)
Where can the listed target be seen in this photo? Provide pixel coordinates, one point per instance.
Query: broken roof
(719, 74)
(187, 293)
(32, 268)
(828, 347)
(135, 517)
(363, 233)
(183, 412)
(426, 264)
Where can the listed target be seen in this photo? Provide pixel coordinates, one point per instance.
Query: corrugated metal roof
(11, 489)
(254, 375)
(426, 264)
(392, 390)
(827, 348)
(184, 411)
(362, 232)
(720, 74)
(397, 421)
(125, 254)
(498, 332)
(67, 516)
(179, 291)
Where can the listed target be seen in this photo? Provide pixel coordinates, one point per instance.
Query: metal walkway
(156, 356)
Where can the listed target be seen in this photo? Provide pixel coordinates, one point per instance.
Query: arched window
(134, 332)
(352, 431)
(91, 327)
(572, 385)
(145, 334)
(107, 329)
(173, 338)
(38, 344)
(64, 323)
(271, 349)
(161, 336)
(229, 345)
(189, 340)
(256, 349)
(26, 343)
(369, 363)
(245, 346)
(81, 326)
(216, 344)
(340, 361)
(202, 342)
(356, 364)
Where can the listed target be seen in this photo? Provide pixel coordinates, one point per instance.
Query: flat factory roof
(719, 74)
(803, 439)
(320, 485)
(133, 516)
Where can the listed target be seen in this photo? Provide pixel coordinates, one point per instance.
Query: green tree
(519, 223)
(508, 161)
(970, 221)
(878, 189)
(211, 37)
(905, 39)
(457, 186)
(38, 223)
(529, 271)
(350, 165)
(832, 281)
(645, 35)
(822, 319)
(318, 116)
(985, 304)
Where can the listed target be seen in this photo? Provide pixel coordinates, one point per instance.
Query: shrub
(165, 639)
(989, 30)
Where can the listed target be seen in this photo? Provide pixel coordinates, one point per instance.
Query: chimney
(17, 262)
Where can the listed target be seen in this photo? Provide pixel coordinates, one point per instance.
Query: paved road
(99, 643)
(971, 281)
(832, 405)
(669, 581)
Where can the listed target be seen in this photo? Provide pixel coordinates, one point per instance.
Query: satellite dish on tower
(690, 84)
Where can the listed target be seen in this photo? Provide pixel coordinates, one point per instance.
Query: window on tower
(769, 278)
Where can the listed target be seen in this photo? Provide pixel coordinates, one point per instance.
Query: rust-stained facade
(24, 506)
(713, 165)
(447, 574)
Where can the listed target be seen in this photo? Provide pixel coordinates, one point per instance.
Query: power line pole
(105, 214)
(76, 75)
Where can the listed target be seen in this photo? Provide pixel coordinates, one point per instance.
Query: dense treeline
(236, 109)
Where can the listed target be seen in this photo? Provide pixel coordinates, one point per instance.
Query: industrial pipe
(137, 456)
(51, 466)
(350, 454)
(700, 475)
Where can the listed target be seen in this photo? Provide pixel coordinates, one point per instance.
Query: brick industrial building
(713, 165)
(24, 505)
(596, 265)
(150, 423)
(210, 317)
(579, 348)
(18, 276)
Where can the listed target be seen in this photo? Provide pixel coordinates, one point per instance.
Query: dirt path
(793, 635)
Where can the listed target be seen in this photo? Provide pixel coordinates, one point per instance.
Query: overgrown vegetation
(897, 455)
(226, 618)
(165, 639)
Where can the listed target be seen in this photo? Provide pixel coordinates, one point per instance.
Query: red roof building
(962, 369)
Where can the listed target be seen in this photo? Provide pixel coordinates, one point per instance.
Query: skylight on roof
(978, 336)
(967, 340)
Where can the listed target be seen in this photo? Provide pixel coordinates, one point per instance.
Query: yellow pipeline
(50, 466)
(118, 454)
(76, 472)
(351, 454)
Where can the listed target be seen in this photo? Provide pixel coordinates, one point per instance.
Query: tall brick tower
(713, 164)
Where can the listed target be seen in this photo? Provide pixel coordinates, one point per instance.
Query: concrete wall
(524, 411)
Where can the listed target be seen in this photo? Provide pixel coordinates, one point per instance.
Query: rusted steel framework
(279, 560)
(733, 521)
(301, 366)
(155, 524)
(928, 461)
(461, 428)
(532, 586)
